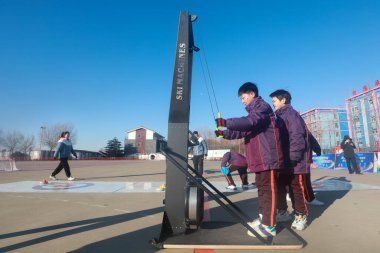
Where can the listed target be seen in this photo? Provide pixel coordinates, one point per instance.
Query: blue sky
(106, 66)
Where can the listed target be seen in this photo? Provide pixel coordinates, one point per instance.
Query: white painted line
(129, 186)
(151, 187)
(147, 186)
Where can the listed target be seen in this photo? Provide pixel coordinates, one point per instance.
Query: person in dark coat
(348, 147)
(233, 161)
(297, 158)
(263, 152)
(309, 192)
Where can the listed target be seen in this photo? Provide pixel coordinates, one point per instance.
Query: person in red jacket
(263, 152)
(233, 161)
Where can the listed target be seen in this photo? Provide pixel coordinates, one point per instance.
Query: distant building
(146, 141)
(328, 125)
(364, 117)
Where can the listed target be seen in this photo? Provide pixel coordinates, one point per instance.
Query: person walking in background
(263, 152)
(348, 147)
(233, 161)
(199, 151)
(63, 151)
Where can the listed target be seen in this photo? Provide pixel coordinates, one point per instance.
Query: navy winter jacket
(261, 136)
(314, 145)
(348, 148)
(295, 141)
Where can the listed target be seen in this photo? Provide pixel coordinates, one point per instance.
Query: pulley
(194, 202)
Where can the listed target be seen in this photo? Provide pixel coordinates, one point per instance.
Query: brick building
(146, 141)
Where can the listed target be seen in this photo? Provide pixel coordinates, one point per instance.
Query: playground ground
(115, 206)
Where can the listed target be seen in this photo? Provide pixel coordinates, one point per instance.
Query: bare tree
(49, 135)
(12, 141)
(26, 144)
(214, 142)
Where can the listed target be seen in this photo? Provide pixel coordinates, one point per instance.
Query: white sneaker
(315, 202)
(231, 187)
(263, 230)
(283, 216)
(256, 222)
(300, 222)
(71, 178)
(52, 177)
(288, 198)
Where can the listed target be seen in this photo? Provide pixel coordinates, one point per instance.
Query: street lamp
(42, 129)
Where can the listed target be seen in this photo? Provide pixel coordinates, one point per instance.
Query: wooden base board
(228, 235)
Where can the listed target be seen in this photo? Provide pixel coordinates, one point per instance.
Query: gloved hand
(219, 133)
(220, 122)
(225, 170)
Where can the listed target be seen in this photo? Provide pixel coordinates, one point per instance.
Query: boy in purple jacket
(297, 158)
(263, 151)
(232, 161)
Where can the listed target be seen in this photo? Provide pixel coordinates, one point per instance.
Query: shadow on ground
(138, 241)
(328, 197)
(122, 243)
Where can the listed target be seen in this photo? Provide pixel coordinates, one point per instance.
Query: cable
(208, 92)
(210, 80)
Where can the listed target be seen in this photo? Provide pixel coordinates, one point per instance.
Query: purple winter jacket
(233, 159)
(295, 141)
(261, 136)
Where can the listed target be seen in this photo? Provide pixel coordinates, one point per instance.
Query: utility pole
(42, 131)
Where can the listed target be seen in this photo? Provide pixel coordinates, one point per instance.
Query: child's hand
(220, 122)
(219, 133)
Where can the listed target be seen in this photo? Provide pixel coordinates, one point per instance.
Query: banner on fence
(364, 160)
(325, 161)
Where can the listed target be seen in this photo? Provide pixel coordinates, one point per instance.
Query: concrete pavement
(70, 218)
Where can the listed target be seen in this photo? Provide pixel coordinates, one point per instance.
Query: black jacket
(348, 148)
(315, 145)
